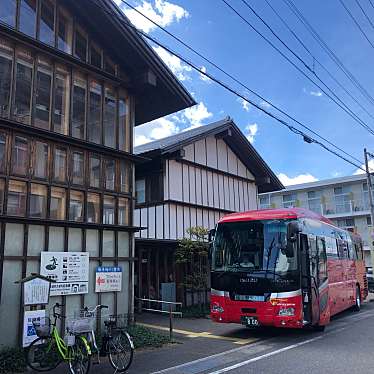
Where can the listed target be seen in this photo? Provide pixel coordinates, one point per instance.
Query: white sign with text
(108, 279)
(68, 269)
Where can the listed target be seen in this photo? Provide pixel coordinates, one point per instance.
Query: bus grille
(248, 310)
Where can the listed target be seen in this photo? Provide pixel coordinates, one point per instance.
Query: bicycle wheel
(120, 351)
(80, 357)
(43, 354)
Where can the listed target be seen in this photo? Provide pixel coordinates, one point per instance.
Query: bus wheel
(318, 328)
(357, 306)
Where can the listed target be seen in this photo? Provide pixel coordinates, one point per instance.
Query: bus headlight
(216, 308)
(286, 312)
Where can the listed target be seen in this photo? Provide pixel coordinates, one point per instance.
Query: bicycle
(116, 342)
(47, 351)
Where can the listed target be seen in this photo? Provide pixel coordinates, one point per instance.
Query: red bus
(284, 268)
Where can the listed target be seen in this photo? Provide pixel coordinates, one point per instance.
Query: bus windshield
(254, 246)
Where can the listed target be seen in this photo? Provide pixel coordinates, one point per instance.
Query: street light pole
(370, 189)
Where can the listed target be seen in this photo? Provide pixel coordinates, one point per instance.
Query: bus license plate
(250, 321)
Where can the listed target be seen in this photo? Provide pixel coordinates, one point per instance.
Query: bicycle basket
(82, 322)
(42, 327)
(117, 321)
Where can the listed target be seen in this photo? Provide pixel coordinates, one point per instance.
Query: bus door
(314, 278)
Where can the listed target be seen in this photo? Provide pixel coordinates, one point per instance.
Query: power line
(306, 137)
(363, 11)
(237, 80)
(356, 23)
(342, 106)
(315, 60)
(329, 51)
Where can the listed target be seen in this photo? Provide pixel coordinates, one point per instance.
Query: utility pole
(370, 191)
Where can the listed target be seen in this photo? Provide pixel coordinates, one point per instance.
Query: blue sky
(214, 30)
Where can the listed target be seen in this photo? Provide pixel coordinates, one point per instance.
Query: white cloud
(162, 12)
(196, 115)
(157, 129)
(302, 178)
(265, 104)
(244, 104)
(170, 125)
(203, 77)
(316, 93)
(371, 168)
(180, 69)
(251, 131)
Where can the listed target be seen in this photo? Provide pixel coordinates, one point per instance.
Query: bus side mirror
(293, 229)
(211, 235)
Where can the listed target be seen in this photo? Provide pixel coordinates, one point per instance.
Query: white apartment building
(345, 201)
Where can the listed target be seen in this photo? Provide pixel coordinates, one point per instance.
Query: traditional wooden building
(192, 179)
(75, 78)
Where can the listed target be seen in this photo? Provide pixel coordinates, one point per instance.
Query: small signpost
(35, 292)
(108, 279)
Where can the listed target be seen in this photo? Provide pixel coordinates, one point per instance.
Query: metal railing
(170, 311)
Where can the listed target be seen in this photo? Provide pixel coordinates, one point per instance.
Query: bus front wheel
(357, 306)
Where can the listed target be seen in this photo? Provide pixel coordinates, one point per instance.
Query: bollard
(171, 321)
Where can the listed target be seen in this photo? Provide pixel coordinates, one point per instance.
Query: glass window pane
(76, 206)
(65, 31)
(125, 176)
(95, 171)
(35, 240)
(123, 134)
(108, 244)
(20, 156)
(80, 45)
(123, 211)
(75, 240)
(110, 136)
(38, 201)
(2, 187)
(79, 106)
(8, 10)
(41, 160)
(14, 237)
(47, 22)
(93, 208)
(6, 64)
(23, 84)
(108, 210)
(56, 239)
(58, 203)
(3, 160)
(27, 17)
(78, 168)
(62, 101)
(92, 242)
(16, 198)
(94, 113)
(43, 94)
(59, 167)
(96, 56)
(140, 191)
(110, 173)
(109, 66)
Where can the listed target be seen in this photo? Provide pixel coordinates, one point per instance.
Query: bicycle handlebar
(100, 306)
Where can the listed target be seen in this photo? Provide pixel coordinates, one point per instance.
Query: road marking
(336, 329)
(254, 359)
(204, 334)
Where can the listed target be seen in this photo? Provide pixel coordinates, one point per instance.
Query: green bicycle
(49, 349)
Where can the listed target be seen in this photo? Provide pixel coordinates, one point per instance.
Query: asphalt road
(346, 346)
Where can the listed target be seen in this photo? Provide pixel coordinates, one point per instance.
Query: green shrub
(12, 360)
(145, 337)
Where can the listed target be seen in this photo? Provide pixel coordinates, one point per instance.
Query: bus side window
(331, 247)
(322, 260)
(342, 249)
